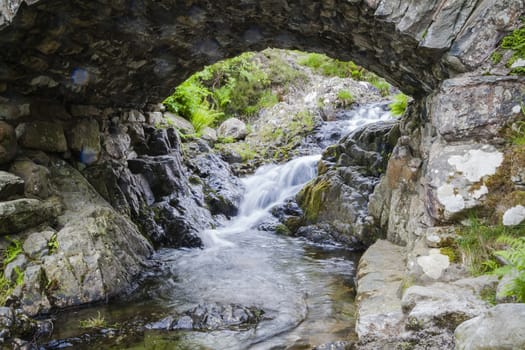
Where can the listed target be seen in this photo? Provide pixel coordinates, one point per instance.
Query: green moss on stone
(312, 198)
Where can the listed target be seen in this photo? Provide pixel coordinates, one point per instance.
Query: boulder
(44, 136)
(20, 214)
(36, 244)
(499, 328)
(84, 140)
(35, 176)
(181, 124)
(456, 176)
(8, 145)
(10, 185)
(234, 128)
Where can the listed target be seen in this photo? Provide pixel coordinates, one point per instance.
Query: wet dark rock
(180, 223)
(15, 324)
(223, 191)
(84, 140)
(335, 203)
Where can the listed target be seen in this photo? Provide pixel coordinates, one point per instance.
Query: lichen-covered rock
(8, 145)
(10, 185)
(234, 128)
(499, 328)
(44, 136)
(97, 254)
(456, 178)
(20, 214)
(36, 244)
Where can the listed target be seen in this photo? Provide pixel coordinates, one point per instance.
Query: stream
(305, 290)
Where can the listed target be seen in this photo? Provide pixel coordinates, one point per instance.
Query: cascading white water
(272, 184)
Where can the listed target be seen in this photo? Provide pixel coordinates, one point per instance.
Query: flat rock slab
(380, 275)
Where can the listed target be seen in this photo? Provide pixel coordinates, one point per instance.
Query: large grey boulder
(97, 254)
(181, 124)
(234, 128)
(44, 136)
(500, 328)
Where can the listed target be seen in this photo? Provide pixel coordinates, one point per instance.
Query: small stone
(17, 265)
(117, 145)
(514, 216)
(434, 263)
(164, 324)
(209, 134)
(234, 128)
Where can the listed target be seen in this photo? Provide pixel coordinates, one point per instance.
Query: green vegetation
(345, 97)
(312, 198)
(399, 105)
(6, 286)
(496, 57)
(52, 244)
(94, 322)
(515, 41)
(237, 87)
(514, 256)
(485, 247)
(517, 133)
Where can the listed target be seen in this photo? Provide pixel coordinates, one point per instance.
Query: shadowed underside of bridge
(133, 52)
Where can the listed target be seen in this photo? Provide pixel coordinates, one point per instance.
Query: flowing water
(305, 290)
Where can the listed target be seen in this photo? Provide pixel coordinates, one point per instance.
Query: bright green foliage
(515, 41)
(345, 97)
(331, 67)
(515, 258)
(6, 289)
(12, 251)
(234, 87)
(52, 244)
(399, 105)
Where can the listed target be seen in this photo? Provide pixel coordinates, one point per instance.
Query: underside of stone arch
(130, 53)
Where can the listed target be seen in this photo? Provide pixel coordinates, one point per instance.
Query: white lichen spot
(477, 194)
(450, 199)
(516, 109)
(433, 264)
(514, 216)
(476, 163)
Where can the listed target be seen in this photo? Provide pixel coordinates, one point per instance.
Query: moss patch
(312, 198)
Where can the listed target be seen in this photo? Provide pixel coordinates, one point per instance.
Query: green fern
(514, 256)
(399, 105)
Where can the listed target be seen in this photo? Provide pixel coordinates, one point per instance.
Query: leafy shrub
(515, 41)
(514, 256)
(399, 104)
